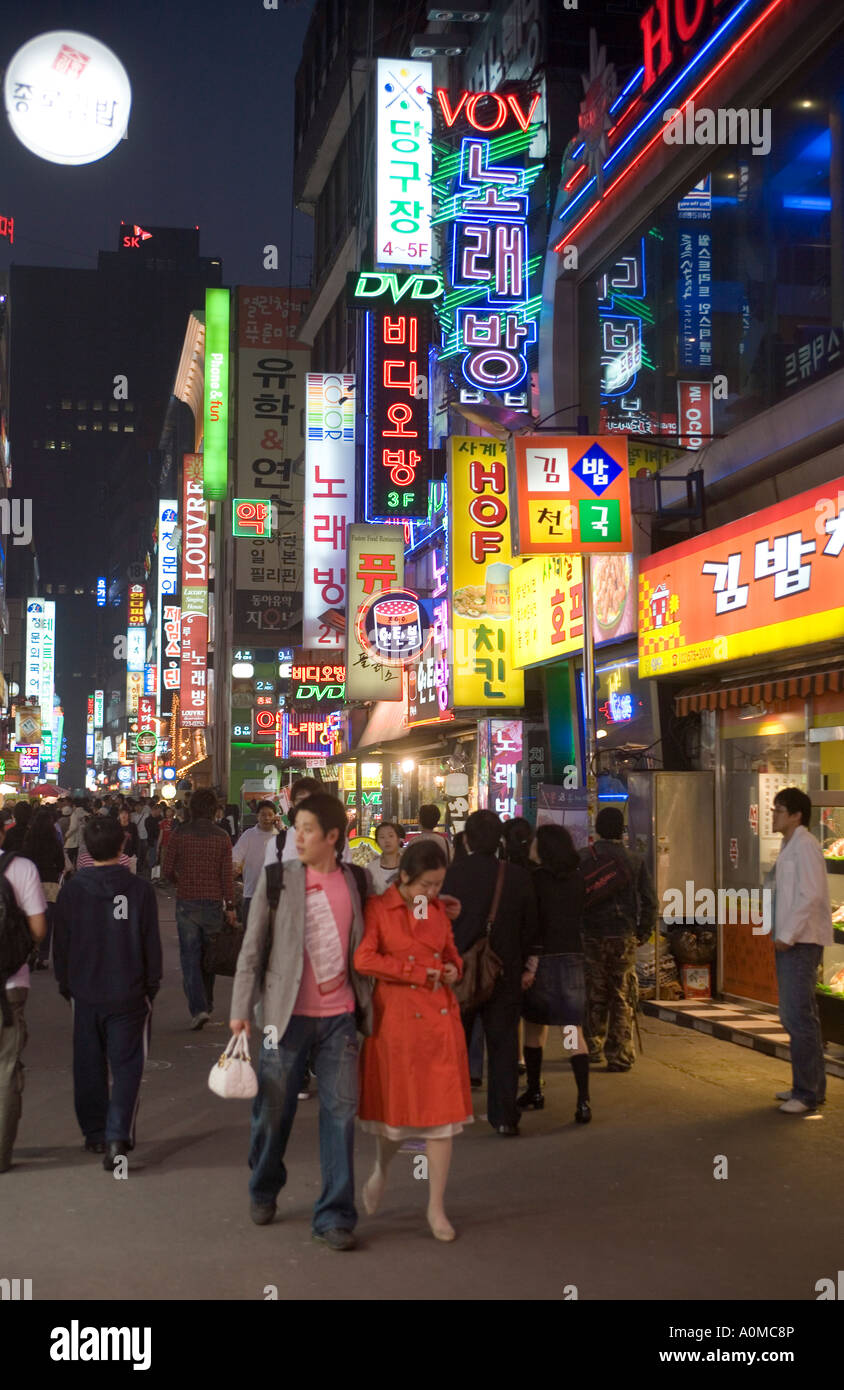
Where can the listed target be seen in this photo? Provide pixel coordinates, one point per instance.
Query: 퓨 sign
(375, 566)
(768, 582)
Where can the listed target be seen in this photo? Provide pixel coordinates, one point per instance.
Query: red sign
(172, 619)
(667, 27)
(194, 627)
(7, 228)
(485, 111)
(137, 605)
(694, 412)
(132, 236)
(146, 713)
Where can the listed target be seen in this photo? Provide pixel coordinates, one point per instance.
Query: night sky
(210, 137)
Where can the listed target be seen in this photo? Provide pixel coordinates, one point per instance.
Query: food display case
(828, 825)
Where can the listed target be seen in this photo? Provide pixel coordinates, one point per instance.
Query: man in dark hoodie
(107, 959)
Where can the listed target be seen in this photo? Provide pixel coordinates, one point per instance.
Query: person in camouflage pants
(611, 931)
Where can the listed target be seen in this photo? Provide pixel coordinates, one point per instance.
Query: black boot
(532, 1098)
(115, 1149)
(580, 1067)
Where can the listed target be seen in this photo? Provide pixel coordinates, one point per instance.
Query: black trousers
(103, 1041)
(500, 1019)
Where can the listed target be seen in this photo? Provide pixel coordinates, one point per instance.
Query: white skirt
(398, 1132)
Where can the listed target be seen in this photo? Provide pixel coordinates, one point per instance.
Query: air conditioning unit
(438, 45)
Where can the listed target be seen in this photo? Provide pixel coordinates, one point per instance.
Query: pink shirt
(341, 1000)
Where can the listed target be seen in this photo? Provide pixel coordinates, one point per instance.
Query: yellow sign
(546, 596)
(483, 669)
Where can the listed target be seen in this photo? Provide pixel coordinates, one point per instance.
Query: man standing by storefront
(802, 927)
(199, 860)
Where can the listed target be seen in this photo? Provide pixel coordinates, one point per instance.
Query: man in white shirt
(251, 850)
(802, 927)
(139, 816)
(22, 877)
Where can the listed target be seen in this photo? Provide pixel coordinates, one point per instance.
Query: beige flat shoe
(370, 1197)
(442, 1230)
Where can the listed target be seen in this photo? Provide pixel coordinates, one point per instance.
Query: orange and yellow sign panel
(546, 596)
(764, 583)
(483, 669)
(570, 495)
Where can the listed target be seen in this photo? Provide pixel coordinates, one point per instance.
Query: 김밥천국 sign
(570, 495)
(483, 669)
(767, 582)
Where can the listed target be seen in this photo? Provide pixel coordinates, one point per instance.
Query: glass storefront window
(737, 278)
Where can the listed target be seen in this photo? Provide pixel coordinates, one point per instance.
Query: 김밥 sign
(329, 506)
(194, 625)
(483, 670)
(404, 126)
(765, 583)
(67, 97)
(375, 566)
(570, 495)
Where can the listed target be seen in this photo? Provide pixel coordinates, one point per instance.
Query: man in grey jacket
(313, 1002)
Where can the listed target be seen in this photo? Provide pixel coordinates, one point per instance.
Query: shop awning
(762, 691)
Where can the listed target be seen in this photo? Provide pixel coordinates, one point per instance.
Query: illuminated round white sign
(67, 97)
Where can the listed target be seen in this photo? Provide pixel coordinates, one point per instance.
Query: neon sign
(251, 519)
(133, 238)
(309, 736)
(383, 289)
(488, 315)
(7, 228)
(137, 605)
(102, 592)
(399, 456)
(404, 124)
(393, 627)
(216, 445)
(659, 33)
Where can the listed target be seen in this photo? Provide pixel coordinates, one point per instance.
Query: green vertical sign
(216, 423)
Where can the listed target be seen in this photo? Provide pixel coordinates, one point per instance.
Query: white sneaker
(783, 1095)
(795, 1107)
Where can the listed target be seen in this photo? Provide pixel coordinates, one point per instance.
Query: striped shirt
(84, 861)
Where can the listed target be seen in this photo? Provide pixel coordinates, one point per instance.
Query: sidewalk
(627, 1207)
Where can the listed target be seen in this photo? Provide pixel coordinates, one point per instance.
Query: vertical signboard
(329, 506)
(40, 650)
(404, 131)
(216, 420)
(171, 674)
(99, 701)
(376, 565)
(194, 625)
(428, 679)
(483, 672)
(694, 413)
(271, 368)
(168, 576)
(398, 456)
(501, 744)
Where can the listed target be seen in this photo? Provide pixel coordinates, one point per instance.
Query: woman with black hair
(383, 869)
(415, 1074)
(41, 845)
(516, 838)
(556, 979)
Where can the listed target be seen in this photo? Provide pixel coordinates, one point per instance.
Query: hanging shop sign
(694, 413)
(89, 722)
(570, 495)
(168, 581)
(264, 724)
(7, 229)
(428, 680)
(483, 671)
(134, 691)
(500, 757)
(137, 605)
(394, 628)
(194, 618)
(28, 724)
(170, 674)
(272, 364)
(252, 518)
(102, 592)
(216, 436)
(403, 152)
(483, 181)
(40, 650)
(67, 97)
(546, 597)
(768, 582)
(375, 568)
(99, 708)
(136, 649)
(385, 289)
(305, 735)
(329, 506)
(398, 454)
(30, 760)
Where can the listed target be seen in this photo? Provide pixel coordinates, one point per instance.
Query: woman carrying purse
(556, 992)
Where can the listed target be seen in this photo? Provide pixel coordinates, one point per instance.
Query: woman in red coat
(415, 1072)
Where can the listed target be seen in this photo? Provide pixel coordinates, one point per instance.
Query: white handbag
(233, 1077)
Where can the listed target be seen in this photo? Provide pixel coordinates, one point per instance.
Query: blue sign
(168, 774)
(124, 774)
(102, 592)
(149, 679)
(621, 706)
(694, 299)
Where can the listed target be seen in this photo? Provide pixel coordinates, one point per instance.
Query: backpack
(16, 943)
(605, 876)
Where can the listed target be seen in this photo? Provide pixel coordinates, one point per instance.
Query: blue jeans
(333, 1042)
(197, 919)
(103, 1042)
(797, 973)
